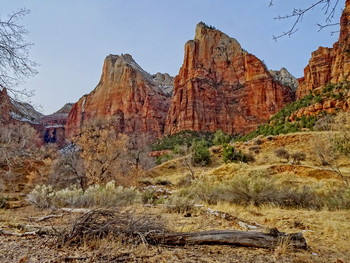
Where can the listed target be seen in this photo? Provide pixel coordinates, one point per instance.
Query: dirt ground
(35, 248)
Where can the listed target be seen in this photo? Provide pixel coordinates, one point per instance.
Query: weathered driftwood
(232, 237)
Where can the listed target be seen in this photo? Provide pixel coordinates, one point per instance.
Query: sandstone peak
(205, 33)
(220, 86)
(126, 95)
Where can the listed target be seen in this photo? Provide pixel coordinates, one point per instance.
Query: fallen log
(231, 237)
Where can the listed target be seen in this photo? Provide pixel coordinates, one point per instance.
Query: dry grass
(327, 232)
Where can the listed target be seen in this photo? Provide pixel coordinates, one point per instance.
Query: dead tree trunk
(232, 237)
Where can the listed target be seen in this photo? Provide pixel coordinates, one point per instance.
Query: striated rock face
(329, 64)
(221, 86)
(53, 130)
(285, 78)
(126, 95)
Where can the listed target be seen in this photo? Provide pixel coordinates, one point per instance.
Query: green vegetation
(280, 124)
(220, 138)
(229, 154)
(163, 158)
(200, 153)
(183, 138)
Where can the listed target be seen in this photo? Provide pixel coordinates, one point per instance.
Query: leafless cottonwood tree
(14, 53)
(328, 7)
(101, 154)
(68, 168)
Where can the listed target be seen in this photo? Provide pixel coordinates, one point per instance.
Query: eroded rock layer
(221, 86)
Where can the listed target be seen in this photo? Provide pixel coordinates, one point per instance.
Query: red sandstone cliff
(126, 95)
(221, 86)
(329, 64)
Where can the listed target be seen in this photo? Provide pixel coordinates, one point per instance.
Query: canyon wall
(222, 86)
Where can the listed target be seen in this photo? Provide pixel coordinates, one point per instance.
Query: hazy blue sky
(72, 37)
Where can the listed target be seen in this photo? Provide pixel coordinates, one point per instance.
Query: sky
(72, 37)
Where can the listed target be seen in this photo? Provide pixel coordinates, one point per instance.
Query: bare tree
(69, 168)
(328, 7)
(138, 149)
(103, 151)
(14, 53)
(19, 144)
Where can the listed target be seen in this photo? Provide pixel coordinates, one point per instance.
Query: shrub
(200, 153)
(183, 138)
(298, 157)
(339, 199)
(178, 203)
(293, 197)
(207, 190)
(246, 190)
(179, 149)
(260, 189)
(163, 158)
(95, 196)
(282, 153)
(230, 155)
(221, 138)
(42, 196)
(150, 196)
(185, 181)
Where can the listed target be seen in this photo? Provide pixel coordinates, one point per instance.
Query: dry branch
(102, 223)
(44, 218)
(143, 229)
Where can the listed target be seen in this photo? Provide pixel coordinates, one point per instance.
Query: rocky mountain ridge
(221, 86)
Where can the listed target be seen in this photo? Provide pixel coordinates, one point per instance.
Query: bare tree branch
(329, 7)
(14, 54)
